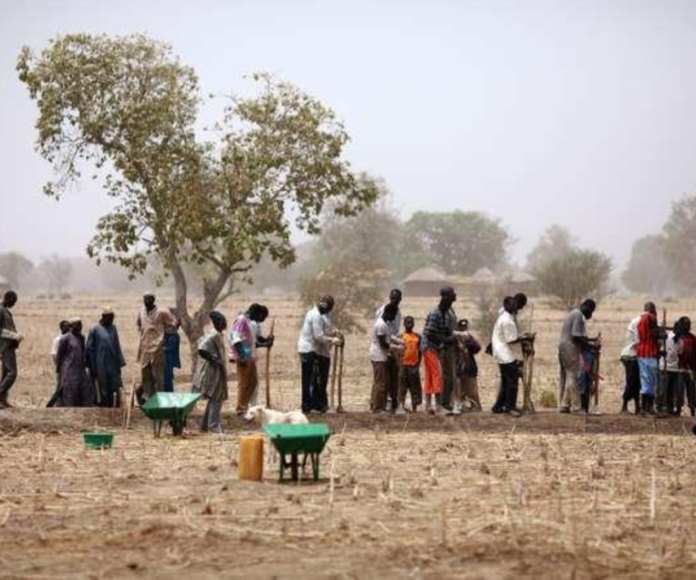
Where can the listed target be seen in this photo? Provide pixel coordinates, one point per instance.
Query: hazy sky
(578, 112)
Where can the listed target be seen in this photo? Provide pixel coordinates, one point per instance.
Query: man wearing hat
(105, 360)
(76, 389)
(152, 324)
(314, 348)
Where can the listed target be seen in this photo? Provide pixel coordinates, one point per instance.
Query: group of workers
(649, 346)
(88, 370)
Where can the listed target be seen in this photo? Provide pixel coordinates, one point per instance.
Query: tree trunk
(194, 324)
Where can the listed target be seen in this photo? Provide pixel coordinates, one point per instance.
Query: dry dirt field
(477, 496)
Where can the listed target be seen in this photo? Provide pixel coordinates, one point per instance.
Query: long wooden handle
(334, 364)
(340, 379)
(130, 404)
(268, 377)
(268, 367)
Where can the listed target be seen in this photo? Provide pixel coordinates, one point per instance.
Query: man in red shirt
(648, 352)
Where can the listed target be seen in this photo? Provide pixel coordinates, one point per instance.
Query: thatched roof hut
(424, 282)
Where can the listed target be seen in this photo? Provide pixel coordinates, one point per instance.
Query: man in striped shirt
(436, 334)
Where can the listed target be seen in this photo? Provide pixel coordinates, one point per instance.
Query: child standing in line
(410, 368)
(467, 369)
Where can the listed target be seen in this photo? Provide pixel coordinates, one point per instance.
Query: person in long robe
(152, 323)
(76, 388)
(64, 327)
(105, 360)
(210, 378)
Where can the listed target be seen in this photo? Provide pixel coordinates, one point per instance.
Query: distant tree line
(665, 262)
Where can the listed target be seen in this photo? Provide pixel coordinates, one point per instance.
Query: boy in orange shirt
(410, 368)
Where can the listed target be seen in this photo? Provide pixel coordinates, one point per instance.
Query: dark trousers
(109, 385)
(315, 378)
(9, 372)
(447, 364)
(168, 377)
(671, 389)
(632, 387)
(686, 386)
(411, 383)
(391, 377)
(509, 383)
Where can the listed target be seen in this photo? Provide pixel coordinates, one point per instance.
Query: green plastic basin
(98, 439)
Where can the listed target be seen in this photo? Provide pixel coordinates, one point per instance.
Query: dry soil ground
(475, 496)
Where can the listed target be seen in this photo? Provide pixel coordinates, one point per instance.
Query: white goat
(265, 416)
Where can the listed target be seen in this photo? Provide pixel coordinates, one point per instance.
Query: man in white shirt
(391, 368)
(629, 359)
(314, 348)
(507, 353)
(379, 352)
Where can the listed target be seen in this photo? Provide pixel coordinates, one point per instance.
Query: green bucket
(98, 439)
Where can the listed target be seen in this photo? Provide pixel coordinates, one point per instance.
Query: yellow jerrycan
(250, 463)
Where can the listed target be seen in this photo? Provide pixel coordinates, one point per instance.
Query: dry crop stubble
(476, 496)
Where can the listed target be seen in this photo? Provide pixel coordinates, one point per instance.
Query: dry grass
(419, 497)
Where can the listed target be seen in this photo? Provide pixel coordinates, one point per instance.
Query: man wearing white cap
(152, 324)
(105, 360)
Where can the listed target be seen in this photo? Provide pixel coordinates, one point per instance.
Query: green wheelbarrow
(170, 407)
(293, 440)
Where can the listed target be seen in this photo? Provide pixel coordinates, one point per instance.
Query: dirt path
(479, 496)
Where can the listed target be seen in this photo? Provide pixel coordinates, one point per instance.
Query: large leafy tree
(461, 242)
(356, 258)
(648, 271)
(127, 106)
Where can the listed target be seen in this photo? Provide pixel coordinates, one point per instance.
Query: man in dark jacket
(105, 360)
(9, 342)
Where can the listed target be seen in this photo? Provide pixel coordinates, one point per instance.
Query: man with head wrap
(210, 378)
(152, 324)
(105, 360)
(76, 390)
(314, 348)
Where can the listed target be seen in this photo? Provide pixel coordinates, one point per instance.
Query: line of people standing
(446, 348)
(656, 391)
